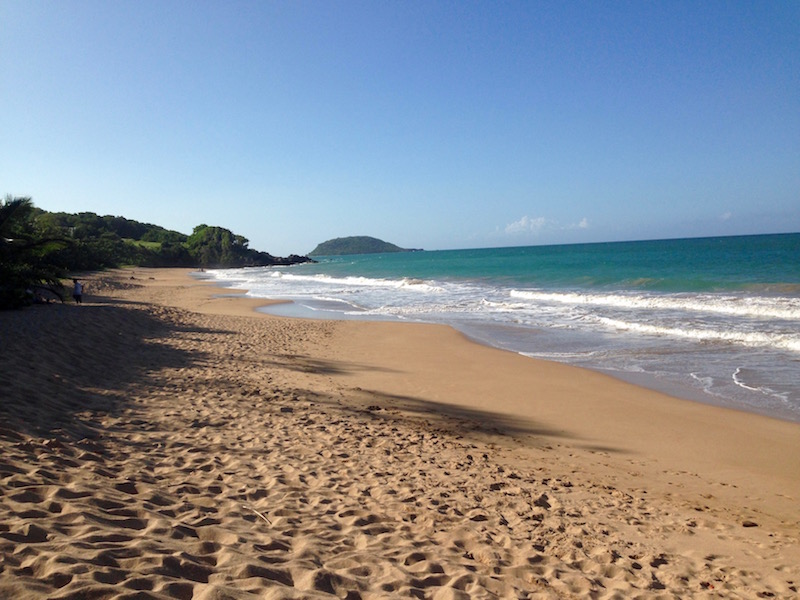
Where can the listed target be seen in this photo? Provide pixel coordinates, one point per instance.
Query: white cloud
(536, 225)
(526, 225)
(726, 216)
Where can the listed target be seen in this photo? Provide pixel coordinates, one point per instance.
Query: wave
(738, 379)
(747, 306)
(409, 283)
(740, 306)
(752, 339)
(256, 280)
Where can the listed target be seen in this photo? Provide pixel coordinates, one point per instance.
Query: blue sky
(428, 124)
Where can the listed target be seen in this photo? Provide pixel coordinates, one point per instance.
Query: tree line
(38, 249)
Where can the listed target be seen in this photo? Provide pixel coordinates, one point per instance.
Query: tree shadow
(306, 364)
(451, 419)
(62, 364)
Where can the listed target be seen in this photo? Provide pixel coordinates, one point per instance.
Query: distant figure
(77, 291)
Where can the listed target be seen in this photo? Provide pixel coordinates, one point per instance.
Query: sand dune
(158, 442)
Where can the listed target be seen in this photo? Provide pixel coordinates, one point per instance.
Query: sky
(427, 124)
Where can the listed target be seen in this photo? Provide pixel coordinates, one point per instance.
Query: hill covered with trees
(38, 248)
(360, 244)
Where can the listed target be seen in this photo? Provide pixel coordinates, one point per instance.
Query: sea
(714, 320)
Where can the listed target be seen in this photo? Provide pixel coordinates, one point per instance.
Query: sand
(161, 442)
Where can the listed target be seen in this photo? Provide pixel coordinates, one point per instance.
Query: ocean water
(713, 319)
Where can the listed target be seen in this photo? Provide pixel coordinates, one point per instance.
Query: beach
(164, 440)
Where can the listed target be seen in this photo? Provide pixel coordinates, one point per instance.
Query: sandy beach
(165, 440)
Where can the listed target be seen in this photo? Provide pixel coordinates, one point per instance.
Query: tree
(38, 247)
(218, 247)
(26, 254)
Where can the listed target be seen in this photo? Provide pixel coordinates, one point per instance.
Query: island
(359, 244)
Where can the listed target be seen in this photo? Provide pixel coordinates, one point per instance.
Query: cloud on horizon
(582, 224)
(536, 225)
(526, 225)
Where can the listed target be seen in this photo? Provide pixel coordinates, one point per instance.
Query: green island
(359, 244)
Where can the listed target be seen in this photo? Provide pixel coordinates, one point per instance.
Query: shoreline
(718, 338)
(715, 425)
(177, 442)
(673, 406)
(680, 390)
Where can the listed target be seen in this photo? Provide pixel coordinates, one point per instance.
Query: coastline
(376, 458)
(721, 343)
(674, 389)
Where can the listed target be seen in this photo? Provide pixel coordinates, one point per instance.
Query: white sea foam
(759, 307)
(416, 285)
(737, 378)
(672, 316)
(745, 338)
(738, 381)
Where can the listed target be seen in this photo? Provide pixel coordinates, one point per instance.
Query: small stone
(749, 524)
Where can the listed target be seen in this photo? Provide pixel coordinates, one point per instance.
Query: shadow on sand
(63, 363)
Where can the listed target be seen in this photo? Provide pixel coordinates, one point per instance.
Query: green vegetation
(38, 249)
(143, 244)
(215, 246)
(28, 254)
(355, 245)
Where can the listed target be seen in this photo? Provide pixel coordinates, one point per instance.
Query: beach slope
(166, 441)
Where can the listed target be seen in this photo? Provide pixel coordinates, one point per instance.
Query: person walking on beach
(77, 291)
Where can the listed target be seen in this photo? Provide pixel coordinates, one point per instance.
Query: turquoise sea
(712, 319)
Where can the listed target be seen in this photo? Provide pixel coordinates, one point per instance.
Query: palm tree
(25, 261)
